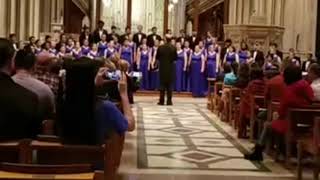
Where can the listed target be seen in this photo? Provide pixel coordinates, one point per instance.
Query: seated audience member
(270, 61)
(244, 76)
(306, 64)
(298, 93)
(18, 106)
(24, 66)
(314, 77)
(230, 74)
(47, 70)
(80, 107)
(256, 86)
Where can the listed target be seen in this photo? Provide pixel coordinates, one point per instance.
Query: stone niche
(254, 33)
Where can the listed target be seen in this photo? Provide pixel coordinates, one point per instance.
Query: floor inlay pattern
(185, 137)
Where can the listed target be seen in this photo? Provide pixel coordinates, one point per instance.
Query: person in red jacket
(298, 93)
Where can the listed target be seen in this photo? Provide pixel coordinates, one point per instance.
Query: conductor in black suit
(139, 36)
(153, 37)
(97, 34)
(166, 55)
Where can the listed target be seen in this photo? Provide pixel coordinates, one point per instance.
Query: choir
(197, 59)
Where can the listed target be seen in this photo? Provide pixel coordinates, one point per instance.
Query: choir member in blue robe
(126, 52)
(180, 68)
(188, 51)
(154, 73)
(212, 62)
(231, 56)
(244, 53)
(53, 51)
(77, 51)
(144, 65)
(38, 48)
(102, 45)
(94, 53)
(110, 51)
(117, 45)
(85, 49)
(197, 73)
(202, 48)
(70, 46)
(62, 52)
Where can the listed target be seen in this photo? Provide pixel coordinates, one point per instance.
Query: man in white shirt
(314, 76)
(24, 65)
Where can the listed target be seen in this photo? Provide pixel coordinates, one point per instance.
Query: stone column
(93, 15)
(12, 16)
(22, 20)
(36, 25)
(31, 17)
(3, 18)
(195, 15)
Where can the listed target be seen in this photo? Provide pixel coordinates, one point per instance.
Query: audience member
(18, 106)
(314, 77)
(306, 64)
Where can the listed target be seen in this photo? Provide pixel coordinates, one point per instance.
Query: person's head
(235, 67)
(21, 45)
(86, 30)
(314, 72)
(115, 39)
(128, 30)
(94, 47)
(144, 47)
(214, 40)
(256, 73)
(186, 44)
(256, 46)
(211, 48)
(227, 68)
(77, 45)
(209, 35)
(100, 25)
(86, 42)
(144, 41)
(228, 43)
(201, 44)
(126, 42)
(38, 43)
(46, 46)
(244, 46)
(168, 31)
(130, 37)
(48, 38)
(157, 43)
(269, 58)
(197, 49)
(70, 42)
(104, 38)
(272, 48)
(178, 45)
(111, 43)
(63, 38)
(292, 74)
(7, 54)
(113, 29)
(140, 28)
(124, 66)
(25, 60)
(182, 33)
(310, 56)
(62, 49)
(173, 41)
(231, 49)
(244, 71)
(13, 37)
(161, 42)
(32, 40)
(194, 33)
(291, 52)
(154, 30)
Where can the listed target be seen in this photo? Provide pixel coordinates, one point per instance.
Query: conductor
(166, 55)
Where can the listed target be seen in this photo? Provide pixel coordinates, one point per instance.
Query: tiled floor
(185, 141)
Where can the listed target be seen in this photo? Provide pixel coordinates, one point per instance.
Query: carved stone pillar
(3, 18)
(22, 19)
(93, 14)
(12, 15)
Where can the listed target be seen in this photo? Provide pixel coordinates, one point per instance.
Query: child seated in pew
(256, 86)
(298, 94)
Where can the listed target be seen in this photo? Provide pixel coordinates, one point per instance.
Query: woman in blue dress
(231, 56)
(154, 72)
(244, 53)
(102, 45)
(181, 68)
(144, 65)
(197, 73)
(126, 52)
(212, 62)
(85, 49)
(188, 51)
(110, 51)
(94, 53)
(76, 52)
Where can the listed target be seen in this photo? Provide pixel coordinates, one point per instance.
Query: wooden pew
(310, 144)
(16, 152)
(234, 100)
(211, 85)
(218, 86)
(300, 123)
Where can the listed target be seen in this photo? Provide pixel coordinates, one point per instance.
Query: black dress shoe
(256, 155)
(160, 104)
(169, 104)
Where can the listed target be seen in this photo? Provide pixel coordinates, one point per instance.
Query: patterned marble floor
(185, 141)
